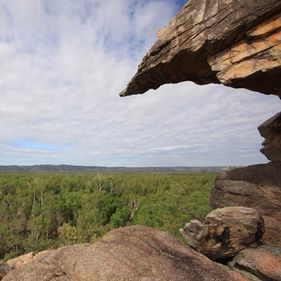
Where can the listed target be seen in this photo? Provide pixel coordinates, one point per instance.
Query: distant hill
(72, 168)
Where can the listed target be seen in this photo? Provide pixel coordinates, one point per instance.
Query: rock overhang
(235, 43)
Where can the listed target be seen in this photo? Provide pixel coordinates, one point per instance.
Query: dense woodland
(48, 210)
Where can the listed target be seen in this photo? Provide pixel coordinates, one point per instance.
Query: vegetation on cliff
(47, 210)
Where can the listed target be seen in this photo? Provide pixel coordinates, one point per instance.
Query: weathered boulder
(263, 263)
(236, 43)
(258, 187)
(271, 131)
(4, 269)
(131, 253)
(225, 232)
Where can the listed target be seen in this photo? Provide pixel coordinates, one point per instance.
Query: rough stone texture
(126, 254)
(21, 260)
(258, 187)
(236, 43)
(271, 131)
(255, 61)
(263, 263)
(225, 232)
(4, 269)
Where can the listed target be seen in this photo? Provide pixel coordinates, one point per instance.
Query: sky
(63, 63)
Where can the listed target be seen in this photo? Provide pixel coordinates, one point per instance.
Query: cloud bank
(63, 64)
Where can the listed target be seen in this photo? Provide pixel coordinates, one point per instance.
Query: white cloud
(62, 66)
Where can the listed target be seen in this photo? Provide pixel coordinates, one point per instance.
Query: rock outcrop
(225, 232)
(236, 43)
(263, 263)
(258, 187)
(132, 253)
(271, 131)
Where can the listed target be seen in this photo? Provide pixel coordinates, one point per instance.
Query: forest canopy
(48, 210)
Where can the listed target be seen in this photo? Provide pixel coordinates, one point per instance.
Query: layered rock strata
(236, 43)
(258, 187)
(271, 131)
(225, 232)
(133, 253)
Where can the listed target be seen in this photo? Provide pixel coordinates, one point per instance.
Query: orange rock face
(256, 58)
(236, 43)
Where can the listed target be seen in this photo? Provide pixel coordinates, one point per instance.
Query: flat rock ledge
(225, 232)
(132, 253)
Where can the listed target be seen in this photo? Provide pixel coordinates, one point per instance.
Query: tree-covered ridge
(47, 210)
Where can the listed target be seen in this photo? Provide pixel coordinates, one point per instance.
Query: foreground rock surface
(258, 187)
(271, 131)
(131, 253)
(225, 232)
(236, 43)
(4, 269)
(263, 263)
(21, 260)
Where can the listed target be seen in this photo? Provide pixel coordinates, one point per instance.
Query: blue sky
(63, 63)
